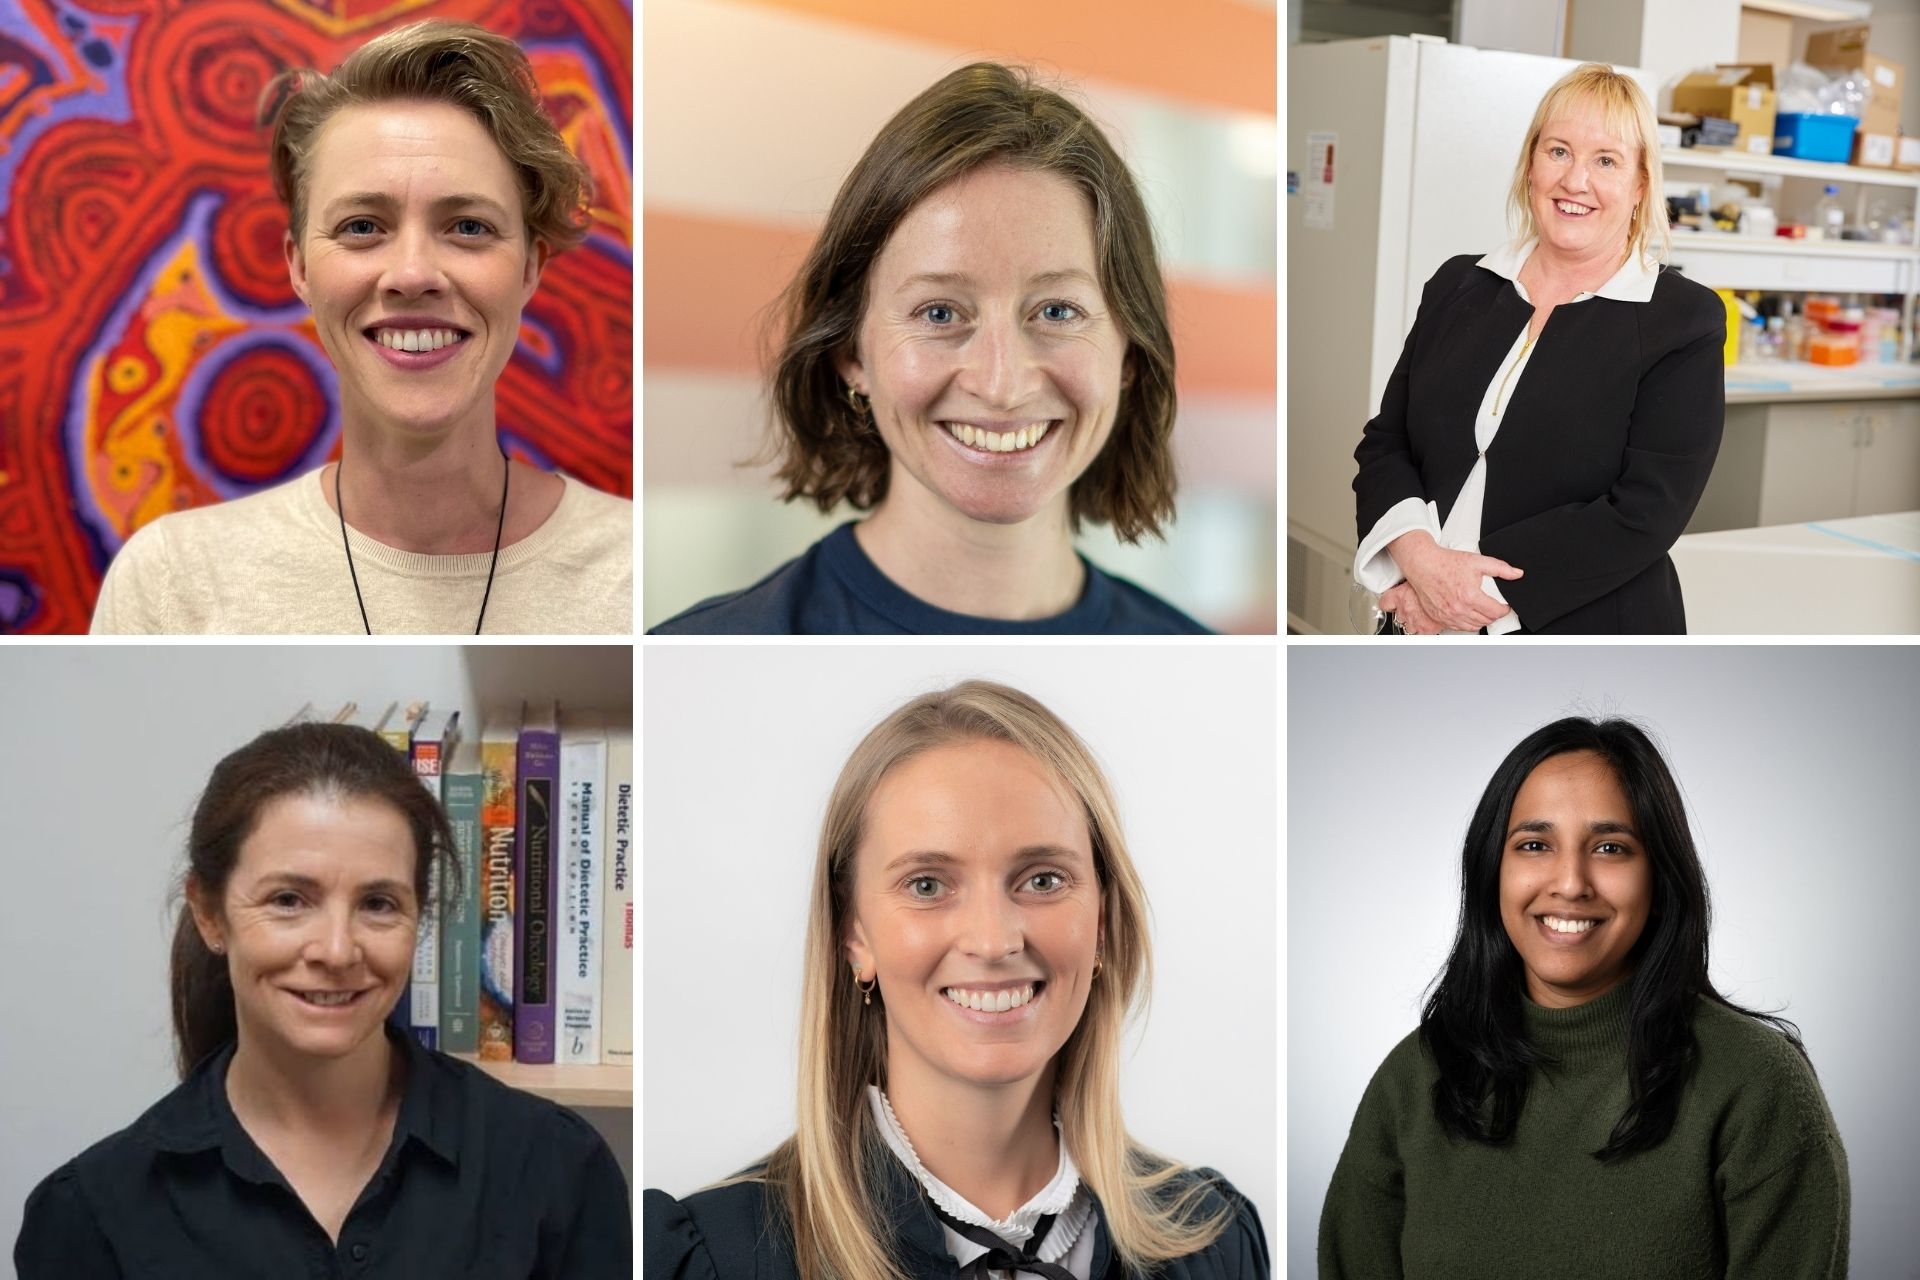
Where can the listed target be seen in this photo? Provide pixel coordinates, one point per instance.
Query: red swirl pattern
(263, 408)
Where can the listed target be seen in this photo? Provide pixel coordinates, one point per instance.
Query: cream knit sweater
(271, 563)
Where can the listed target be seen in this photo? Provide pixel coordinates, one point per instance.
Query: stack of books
(529, 957)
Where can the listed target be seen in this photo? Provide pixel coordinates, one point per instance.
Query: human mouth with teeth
(995, 998)
(327, 999)
(1573, 209)
(998, 437)
(1568, 928)
(415, 342)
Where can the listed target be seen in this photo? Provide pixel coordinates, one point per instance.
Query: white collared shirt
(1373, 567)
(1069, 1243)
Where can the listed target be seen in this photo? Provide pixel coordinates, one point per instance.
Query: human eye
(284, 900)
(359, 228)
(1061, 312)
(1557, 152)
(383, 904)
(479, 228)
(923, 888)
(939, 315)
(1055, 881)
(1531, 845)
(1615, 848)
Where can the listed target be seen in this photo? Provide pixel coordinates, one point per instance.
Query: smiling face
(976, 907)
(317, 923)
(993, 364)
(1584, 185)
(415, 262)
(1576, 884)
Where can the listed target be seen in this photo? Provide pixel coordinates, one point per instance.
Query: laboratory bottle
(1828, 216)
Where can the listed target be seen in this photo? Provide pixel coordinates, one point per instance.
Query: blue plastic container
(1814, 137)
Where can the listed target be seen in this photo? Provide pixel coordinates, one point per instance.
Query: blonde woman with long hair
(976, 939)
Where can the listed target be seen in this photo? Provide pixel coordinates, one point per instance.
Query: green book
(460, 789)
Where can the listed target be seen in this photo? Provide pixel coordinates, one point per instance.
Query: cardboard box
(1845, 49)
(1765, 38)
(1875, 150)
(1906, 153)
(1740, 93)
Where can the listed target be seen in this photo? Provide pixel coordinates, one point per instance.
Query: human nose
(413, 266)
(1570, 879)
(333, 943)
(991, 928)
(999, 362)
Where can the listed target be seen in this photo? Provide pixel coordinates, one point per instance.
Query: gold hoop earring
(866, 991)
(1097, 966)
(861, 404)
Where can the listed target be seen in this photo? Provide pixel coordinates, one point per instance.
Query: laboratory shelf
(1772, 166)
(1781, 381)
(1728, 242)
(1818, 10)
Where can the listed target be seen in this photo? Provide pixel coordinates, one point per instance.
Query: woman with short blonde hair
(426, 190)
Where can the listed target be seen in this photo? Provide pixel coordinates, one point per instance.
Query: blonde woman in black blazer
(1557, 408)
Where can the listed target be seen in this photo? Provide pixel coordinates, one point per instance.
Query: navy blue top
(739, 1232)
(834, 589)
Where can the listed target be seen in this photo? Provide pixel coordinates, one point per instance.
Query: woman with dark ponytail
(305, 1127)
(1578, 1097)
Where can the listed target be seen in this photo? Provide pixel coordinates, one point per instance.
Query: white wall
(103, 751)
(743, 744)
(1659, 37)
(1798, 765)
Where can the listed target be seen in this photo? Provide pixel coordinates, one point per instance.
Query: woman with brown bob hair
(976, 940)
(976, 352)
(305, 1126)
(426, 190)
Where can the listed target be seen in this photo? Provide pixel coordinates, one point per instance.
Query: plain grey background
(103, 750)
(1801, 771)
(743, 744)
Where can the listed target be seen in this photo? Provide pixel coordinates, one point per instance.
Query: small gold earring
(860, 403)
(1097, 966)
(866, 991)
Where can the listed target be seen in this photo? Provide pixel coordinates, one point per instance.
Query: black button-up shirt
(481, 1181)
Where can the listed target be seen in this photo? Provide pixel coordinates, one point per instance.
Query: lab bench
(1829, 577)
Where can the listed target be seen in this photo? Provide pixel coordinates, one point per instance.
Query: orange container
(1833, 348)
(1822, 310)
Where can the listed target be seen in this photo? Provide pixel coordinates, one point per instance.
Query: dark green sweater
(1751, 1184)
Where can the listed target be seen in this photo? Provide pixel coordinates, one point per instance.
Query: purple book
(536, 866)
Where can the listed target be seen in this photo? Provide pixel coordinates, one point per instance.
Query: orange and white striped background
(754, 110)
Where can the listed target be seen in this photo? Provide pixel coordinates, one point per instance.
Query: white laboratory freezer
(1400, 151)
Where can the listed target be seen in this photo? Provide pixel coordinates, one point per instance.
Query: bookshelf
(602, 1086)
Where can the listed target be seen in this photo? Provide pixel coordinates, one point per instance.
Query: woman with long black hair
(1578, 1096)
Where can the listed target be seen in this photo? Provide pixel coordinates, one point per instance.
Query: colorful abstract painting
(153, 355)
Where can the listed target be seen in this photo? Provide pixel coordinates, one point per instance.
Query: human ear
(206, 917)
(859, 954)
(537, 257)
(852, 372)
(296, 265)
